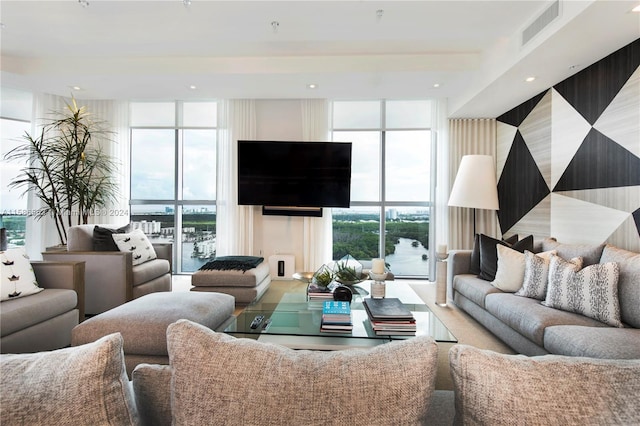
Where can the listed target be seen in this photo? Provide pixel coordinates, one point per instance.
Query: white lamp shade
(475, 185)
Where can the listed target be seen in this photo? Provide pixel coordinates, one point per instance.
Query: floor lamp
(475, 185)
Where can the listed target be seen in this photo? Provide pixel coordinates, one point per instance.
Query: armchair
(43, 321)
(110, 277)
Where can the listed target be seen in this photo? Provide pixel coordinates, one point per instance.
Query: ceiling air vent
(545, 18)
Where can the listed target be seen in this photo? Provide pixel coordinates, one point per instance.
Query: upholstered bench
(245, 286)
(143, 322)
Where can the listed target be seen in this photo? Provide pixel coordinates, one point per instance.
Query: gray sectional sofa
(531, 328)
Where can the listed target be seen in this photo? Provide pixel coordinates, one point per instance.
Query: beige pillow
(219, 379)
(511, 268)
(81, 385)
(497, 389)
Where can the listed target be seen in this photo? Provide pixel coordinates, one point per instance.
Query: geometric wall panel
(581, 137)
(536, 132)
(504, 135)
(619, 121)
(626, 198)
(521, 185)
(568, 130)
(519, 113)
(576, 221)
(600, 163)
(591, 90)
(535, 223)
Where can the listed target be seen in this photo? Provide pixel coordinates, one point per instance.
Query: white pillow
(138, 244)
(592, 291)
(511, 268)
(18, 278)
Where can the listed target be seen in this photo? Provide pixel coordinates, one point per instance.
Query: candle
(378, 266)
(442, 248)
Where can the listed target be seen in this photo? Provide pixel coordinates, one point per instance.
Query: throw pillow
(103, 240)
(474, 267)
(265, 384)
(18, 278)
(84, 385)
(592, 291)
(511, 268)
(489, 254)
(138, 244)
(498, 389)
(536, 274)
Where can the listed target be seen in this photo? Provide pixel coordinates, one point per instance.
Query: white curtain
(42, 233)
(318, 231)
(234, 228)
(470, 136)
(442, 177)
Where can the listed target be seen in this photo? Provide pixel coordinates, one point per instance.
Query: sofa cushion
(85, 385)
(591, 291)
(489, 254)
(529, 317)
(150, 270)
(143, 321)
(24, 312)
(137, 244)
(473, 288)
(536, 275)
(594, 342)
(152, 389)
(590, 253)
(387, 384)
(498, 389)
(103, 237)
(628, 282)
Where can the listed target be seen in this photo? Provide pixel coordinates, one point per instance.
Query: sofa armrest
(459, 262)
(164, 251)
(108, 277)
(63, 275)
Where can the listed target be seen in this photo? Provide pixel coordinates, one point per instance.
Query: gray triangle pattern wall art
(581, 136)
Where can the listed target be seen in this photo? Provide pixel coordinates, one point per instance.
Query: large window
(391, 183)
(14, 205)
(173, 177)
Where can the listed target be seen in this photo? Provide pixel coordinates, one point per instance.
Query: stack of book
(336, 317)
(389, 316)
(316, 292)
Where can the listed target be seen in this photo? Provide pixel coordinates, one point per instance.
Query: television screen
(295, 174)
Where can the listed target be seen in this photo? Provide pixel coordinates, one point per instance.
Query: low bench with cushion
(244, 277)
(143, 322)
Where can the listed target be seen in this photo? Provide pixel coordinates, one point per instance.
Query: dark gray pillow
(489, 254)
(102, 240)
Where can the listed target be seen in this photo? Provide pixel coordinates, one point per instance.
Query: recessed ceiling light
(83, 3)
(192, 87)
(436, 85)
(76, 88)
(312, 86)
(636, 9)
(529, 79)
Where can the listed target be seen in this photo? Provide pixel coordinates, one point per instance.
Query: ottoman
(245, 286)
(143, 322)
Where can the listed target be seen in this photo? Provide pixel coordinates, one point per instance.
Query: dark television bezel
(287, 208)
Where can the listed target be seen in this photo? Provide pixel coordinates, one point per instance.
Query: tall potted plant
(66, 167)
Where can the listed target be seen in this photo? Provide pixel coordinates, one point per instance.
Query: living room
(565, 145)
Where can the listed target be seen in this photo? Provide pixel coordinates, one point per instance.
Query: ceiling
(157, 50)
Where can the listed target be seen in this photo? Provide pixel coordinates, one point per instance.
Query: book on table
(336, 316)
(389, 316)
(316, 292)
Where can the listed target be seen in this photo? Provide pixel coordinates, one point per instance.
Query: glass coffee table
(290, 319)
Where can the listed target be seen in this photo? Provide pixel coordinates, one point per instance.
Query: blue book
(333, 307)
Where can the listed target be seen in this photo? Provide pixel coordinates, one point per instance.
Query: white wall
(278, 120)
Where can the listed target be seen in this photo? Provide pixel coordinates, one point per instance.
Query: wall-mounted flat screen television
(294, 174)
